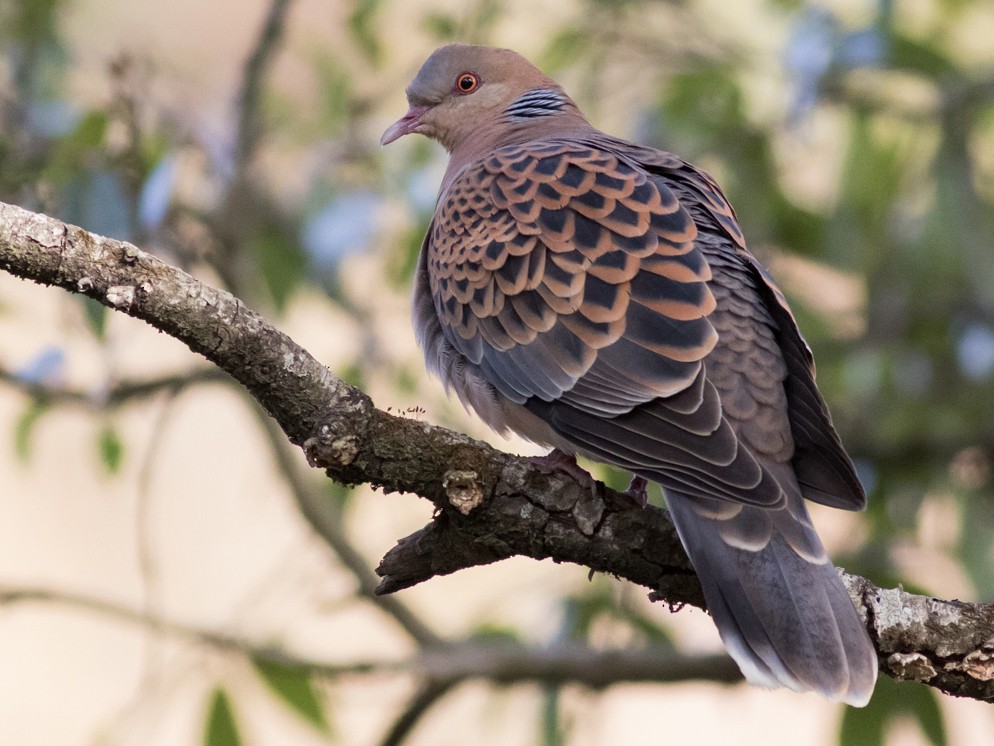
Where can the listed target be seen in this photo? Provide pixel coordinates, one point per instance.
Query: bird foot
(565, 463)
(636, 490)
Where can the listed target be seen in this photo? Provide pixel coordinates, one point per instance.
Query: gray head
(462, 88)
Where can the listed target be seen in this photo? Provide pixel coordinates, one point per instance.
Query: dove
(597, 297)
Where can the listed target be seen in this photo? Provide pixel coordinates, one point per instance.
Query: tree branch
(118, 395)
(490, 505)
(498, 662)
(318, 511)
(418, 706)
(247, 137)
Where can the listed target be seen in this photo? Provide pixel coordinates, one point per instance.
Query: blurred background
(170, 570)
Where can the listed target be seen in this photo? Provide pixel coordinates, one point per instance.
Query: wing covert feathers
(599, 297)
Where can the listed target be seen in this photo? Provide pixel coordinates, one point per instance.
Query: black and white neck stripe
(538, 102)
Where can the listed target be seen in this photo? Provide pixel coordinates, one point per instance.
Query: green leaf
(892, 701)
(295, 687)
(922, 703)
(598, 601)
(616, 479)
(441, 25)
(706, 102)
(90, 131)
(568, 46)
(553, 729)
(111, 449)
(30, 21)
(406, 382)
(362, 26)
(493, 633)
(281, 262)
(864, 726)
(910, 54)
(73, 152)
(335, 107)
(974, 546)
(24, 428)
(404, 255)
(221, 728)
(354, 375)
(340, 497)
(96, 317)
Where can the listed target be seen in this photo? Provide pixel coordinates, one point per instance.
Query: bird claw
(557, 461)
(636, 490)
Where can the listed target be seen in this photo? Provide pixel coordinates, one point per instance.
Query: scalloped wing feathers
(598, 297)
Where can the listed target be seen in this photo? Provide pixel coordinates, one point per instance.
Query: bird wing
(575, 283)
(824, 470)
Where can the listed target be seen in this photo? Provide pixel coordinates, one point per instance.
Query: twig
(957, 96)
(497, 662)
(219, 640)
(319, 512)
(249, 129)
(122, 393)
(12, 596)
(416, 708)
(147, 568)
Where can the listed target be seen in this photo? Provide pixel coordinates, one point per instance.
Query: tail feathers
(786, 620)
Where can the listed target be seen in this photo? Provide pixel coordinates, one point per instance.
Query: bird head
(462, 90)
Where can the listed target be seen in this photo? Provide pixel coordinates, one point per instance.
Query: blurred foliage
(221, 728)
(295, 686)
(891, 703)
(871, 169)
(111, 448)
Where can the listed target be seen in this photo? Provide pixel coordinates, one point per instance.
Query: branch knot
(912, 666)
(463, 490)
(328, 449)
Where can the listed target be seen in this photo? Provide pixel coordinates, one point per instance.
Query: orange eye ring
(466, 83)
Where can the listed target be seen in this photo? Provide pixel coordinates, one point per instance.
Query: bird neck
(516, 130)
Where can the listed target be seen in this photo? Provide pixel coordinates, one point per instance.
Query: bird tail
(779, 604)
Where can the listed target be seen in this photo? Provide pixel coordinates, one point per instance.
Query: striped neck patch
(538, 102)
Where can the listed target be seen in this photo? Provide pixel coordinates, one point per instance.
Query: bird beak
(405, 125)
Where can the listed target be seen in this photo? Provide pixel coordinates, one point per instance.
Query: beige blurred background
(197, 527)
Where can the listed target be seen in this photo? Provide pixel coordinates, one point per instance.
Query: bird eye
(467, 83)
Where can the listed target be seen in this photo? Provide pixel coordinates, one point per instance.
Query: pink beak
(405, 125)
